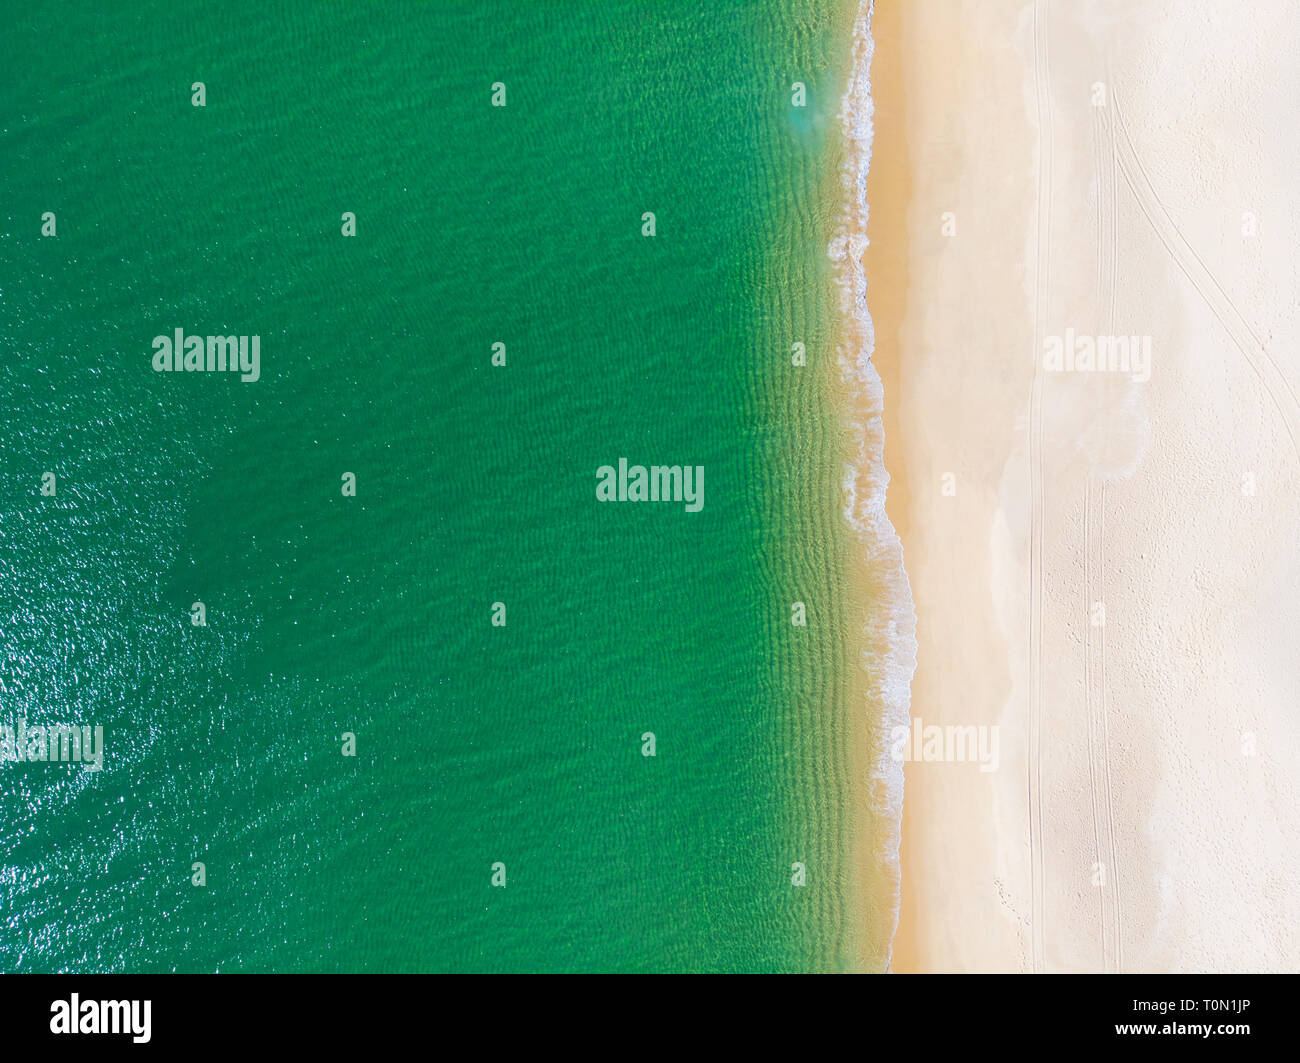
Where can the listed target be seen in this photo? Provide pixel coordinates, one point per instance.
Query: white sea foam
(889, 656)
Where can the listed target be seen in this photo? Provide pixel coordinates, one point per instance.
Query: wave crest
(889, 658)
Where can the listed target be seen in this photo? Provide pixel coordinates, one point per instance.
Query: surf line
(658, 483)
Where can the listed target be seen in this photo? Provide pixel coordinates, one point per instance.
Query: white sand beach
(1105, 567)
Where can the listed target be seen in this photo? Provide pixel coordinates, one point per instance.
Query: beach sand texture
(1104, 567)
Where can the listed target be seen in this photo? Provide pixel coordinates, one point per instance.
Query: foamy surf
(889, 657)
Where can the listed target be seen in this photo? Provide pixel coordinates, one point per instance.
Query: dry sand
(1112, 577)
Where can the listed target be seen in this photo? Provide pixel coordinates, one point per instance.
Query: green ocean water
(326, 614)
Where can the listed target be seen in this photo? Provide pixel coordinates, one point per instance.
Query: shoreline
(884, 264)
(882, 619)
(952, 407)
(1099, 578)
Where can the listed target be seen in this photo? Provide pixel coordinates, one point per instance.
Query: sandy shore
(1103, 563)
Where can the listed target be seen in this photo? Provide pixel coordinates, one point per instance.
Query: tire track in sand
(1113, 876)
(1094, 538)
(1099, 147)
(1246, 340)
(1042, 282)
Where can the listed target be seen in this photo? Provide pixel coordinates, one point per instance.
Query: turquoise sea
(476, 744)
